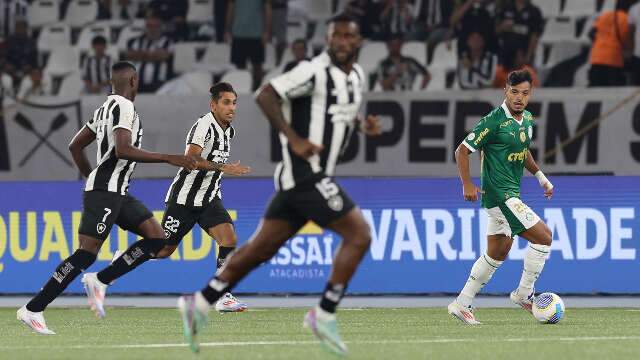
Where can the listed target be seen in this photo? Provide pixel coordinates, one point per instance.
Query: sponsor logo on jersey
(481, 136)
(506, 123)
(519, 156)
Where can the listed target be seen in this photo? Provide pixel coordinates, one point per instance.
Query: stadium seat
(371, 54)
(129, 32)
(559, 30)
(240, 79)
(216, 58)
(549, 8)
(197, 82)
(319, 37)
(416, 50)
(71, 85)
(445, 55)
(296, 30)
(438, 79)
(185, 56)
(269, 57)
(200, 11)
(52, 36)
(579, 8)
(89, 32)
(583, 37)
(316, 9)
(43, 12)
(81, 12)
(608, 5)
(63, 60)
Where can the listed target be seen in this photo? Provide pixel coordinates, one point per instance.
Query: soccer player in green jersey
(503, 137)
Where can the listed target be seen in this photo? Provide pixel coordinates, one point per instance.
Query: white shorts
(510, 218)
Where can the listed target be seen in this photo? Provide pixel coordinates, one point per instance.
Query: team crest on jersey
(335, 203)
(101, 227)
(523, 136)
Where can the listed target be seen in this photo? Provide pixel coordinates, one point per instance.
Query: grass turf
(426, 333)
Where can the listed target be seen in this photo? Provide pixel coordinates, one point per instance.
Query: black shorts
(102, 209)
(321, 201)
(178, 219)
(246, 49)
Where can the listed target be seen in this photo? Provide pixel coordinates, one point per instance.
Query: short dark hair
(518, 77)
(122, 65)
(343, 17)
(395, 36)
(99, 40)
(300, 41)
(219, 88)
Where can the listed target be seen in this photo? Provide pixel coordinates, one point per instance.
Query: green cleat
(193, 320)
(326, 330)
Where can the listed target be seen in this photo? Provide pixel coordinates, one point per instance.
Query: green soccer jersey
(505, 146)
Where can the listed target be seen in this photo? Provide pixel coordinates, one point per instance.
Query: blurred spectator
(477, 64)
(519, 25)
(610, 39)
(299, 51)
(10, 12)
(398, 72)
(249, 31)
(516, 60)
(97, 68)
(220, 18)
(174, 14)
(152, 53)
(279, 24)
(397, 17)
(34, 85)
(367, 13)
(433, 21)
(472, 16)
(21, 52)
(634, 29)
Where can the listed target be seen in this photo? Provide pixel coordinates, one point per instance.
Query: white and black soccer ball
(548, 308)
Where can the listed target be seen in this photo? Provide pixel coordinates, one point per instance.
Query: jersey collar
(229, 130)
(508, 113)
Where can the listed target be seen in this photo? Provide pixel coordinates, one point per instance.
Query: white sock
(533, 264)
(201, 303)
(481, 273)
(324, 315)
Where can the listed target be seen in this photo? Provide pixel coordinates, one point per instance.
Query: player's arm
(235, 169)
(469, 189)
(534, 169)
(270, 102)
(124, 150)
(81, 140)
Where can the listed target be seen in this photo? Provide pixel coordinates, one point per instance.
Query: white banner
(421, 132)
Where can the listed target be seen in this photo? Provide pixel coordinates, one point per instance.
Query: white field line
(309, 342)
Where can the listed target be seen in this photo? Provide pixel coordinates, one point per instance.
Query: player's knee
(166, 251)
(362, 238)
(229, 240)
(90, 245)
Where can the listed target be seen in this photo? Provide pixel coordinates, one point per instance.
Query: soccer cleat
(326, 330)
(96, 291)
(525, 302)
(464, 314)
(34, 320)
(193, 319)
(229, 303)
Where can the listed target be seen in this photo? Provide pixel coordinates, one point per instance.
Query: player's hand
(235, 169)
(305, 148)
(371, 126)
(184, 161)
(470, 191)
(548, 190)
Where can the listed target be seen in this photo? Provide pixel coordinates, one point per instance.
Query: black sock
(68, 270)
(223, 252)
(331, 297)
(136, 254)
(215, 289)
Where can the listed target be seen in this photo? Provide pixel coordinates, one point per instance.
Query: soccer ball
(548, 308)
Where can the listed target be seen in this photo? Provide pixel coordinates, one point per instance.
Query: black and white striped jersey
(96, 70)
(321, 104)
(198, 187)
(113, 174)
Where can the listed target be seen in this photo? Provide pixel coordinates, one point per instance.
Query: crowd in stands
(66, 47)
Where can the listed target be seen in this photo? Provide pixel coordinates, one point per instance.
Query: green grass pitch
(424, 333)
